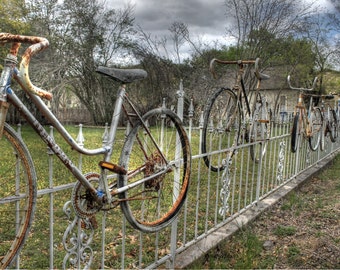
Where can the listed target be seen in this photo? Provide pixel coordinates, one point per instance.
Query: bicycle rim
(221, 128)
(295, 133)
(17, 195)
(316, 128)
(154, 204)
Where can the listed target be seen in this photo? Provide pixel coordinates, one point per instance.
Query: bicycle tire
(259, 133)
(316, 124)
(332, 126)
(17, 195)
(221, 127)
(153, 205)
(295, 135)
(323, 135)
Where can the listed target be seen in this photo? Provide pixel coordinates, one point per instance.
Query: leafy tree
(12, 14)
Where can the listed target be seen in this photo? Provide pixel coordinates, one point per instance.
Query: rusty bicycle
(149, 183)
(307, 122)
(226, 114)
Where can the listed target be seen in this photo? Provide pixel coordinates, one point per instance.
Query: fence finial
(80, 137)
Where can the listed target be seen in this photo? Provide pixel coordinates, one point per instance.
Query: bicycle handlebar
(302, 89)
(260, 76)
(38, 44)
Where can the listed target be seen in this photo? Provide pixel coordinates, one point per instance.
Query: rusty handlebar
(37, 44)
(260, 76)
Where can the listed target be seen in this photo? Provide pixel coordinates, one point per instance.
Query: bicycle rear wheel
(17, 195)
(295, 135)
(221, 127)
(159, 157)
(316, 126)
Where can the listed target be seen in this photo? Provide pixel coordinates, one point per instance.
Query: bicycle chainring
(83, 202)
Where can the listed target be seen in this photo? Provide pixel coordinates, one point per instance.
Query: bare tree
(248, 17)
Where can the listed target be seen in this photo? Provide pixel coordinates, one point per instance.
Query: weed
(293, 255)
(283, 231)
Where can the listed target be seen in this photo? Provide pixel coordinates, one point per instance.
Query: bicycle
(225, 116)
(150, 182)
(307, 122)
(330, 121)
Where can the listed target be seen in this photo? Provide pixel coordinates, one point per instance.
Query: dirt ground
(302, 231)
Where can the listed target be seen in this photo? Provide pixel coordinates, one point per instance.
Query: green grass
(204, 188)
(284, 231)
(39, 235)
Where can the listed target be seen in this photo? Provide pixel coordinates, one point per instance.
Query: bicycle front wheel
(17, 195)
(157, 156)
(316, 125)
(221, 128)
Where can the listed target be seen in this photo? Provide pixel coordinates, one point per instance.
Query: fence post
(191, 115)
(180, 106)
(50, 178)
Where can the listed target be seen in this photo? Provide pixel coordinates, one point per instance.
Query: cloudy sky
(206, 19)
(203, 17)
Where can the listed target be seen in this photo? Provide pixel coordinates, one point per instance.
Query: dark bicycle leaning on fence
(330, 120)
(225, 118)
(150, 182)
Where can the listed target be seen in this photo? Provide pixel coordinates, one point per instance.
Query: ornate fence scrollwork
(280, 166)
(77, 239)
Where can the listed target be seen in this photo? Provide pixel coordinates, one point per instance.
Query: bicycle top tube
(37, 44)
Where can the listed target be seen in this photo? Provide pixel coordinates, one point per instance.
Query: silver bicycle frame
(106, 150)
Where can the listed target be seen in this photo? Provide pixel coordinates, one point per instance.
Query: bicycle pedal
(263, 121)
(112, 167)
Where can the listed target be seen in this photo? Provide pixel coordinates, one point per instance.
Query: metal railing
(58, 239)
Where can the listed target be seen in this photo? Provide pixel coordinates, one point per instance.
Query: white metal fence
(59, 239)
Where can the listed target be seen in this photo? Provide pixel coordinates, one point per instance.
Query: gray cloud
(203, 17)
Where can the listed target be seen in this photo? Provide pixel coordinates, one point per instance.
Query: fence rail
(59, 239)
